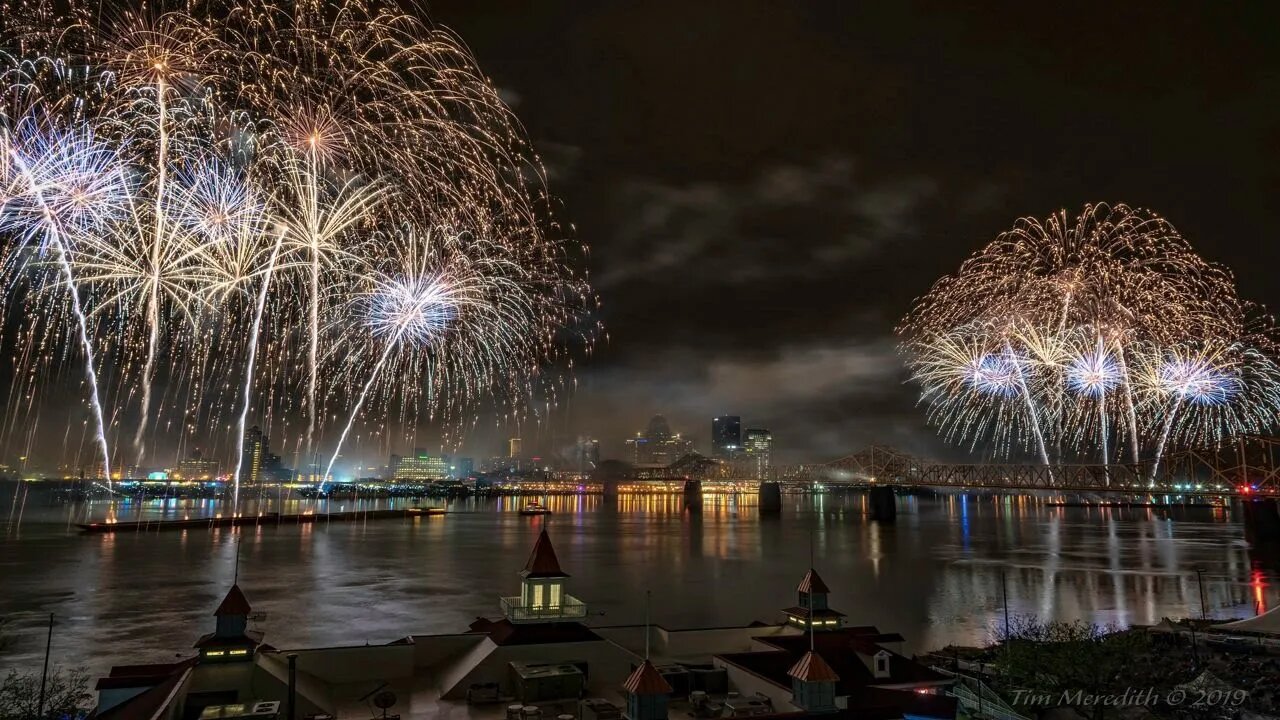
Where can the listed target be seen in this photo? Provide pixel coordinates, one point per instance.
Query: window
(537, 596)
(241, 651)
(214, 653)
(555, 595)
(882, 664)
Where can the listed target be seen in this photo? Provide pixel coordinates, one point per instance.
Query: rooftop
(646, 680)
(812, 583)
(235, 603)
(542, 561)
(848, 652)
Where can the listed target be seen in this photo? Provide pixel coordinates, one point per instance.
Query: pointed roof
(542, 561)
(812, 583)
(812, 668)
(234, 603)
(646, 680)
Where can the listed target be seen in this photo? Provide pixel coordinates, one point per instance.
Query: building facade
(757, 444)
(421, 466)
(257, 453)
(726, 436)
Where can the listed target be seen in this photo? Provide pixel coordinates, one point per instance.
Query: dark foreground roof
(850, 653)
(162, 680)
(505, 632)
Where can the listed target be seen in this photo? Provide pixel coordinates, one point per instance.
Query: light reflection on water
(935, 576)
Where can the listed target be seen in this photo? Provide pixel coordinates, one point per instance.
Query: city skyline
(867, 220)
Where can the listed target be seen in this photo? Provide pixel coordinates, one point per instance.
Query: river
(939, 575)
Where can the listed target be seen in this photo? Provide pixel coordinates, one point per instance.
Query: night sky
(766, 186)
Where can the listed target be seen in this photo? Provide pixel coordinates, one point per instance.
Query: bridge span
(1245, 468)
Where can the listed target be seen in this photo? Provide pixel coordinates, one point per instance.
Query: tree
(1066, 660)
(66, 695)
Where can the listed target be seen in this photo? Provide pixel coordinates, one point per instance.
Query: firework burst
(1074, 336)
(296, 200)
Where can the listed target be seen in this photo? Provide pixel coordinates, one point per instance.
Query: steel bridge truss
(1248, 466)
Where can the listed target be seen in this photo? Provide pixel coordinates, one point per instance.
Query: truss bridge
(1248, 467)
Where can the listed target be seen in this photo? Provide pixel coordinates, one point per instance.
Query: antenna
(810, 619)
(647, 595)
(235, 578)
(810, 593)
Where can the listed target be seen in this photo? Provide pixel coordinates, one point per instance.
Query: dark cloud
(765, 186)
(787, 223)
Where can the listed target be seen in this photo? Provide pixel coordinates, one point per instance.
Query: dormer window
(882, 664)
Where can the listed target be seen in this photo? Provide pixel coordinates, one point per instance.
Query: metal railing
(570, 608)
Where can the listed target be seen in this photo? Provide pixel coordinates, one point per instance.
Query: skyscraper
(758, 445)
(514, 447)
(256, 453)
(657, 445)
(726, 436)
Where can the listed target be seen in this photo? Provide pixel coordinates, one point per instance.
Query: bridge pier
(770, 498)
(1261, 520)
(610, 490)
(884, 503)
(693, 495)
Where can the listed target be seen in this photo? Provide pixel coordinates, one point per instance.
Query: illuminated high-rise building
(515, 447)
(757, 443)
(421, 466)
(256, 454)
(726, 436)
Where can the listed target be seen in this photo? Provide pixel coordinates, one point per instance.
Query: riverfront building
(421, 466)
(541, 660)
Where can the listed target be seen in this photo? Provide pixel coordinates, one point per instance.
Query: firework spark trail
(1031, 405)
(52, 231)
(313, 349)
(1130, 408)
(355, 410)
(158, 239)
(1164, 436)
(250, 362)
